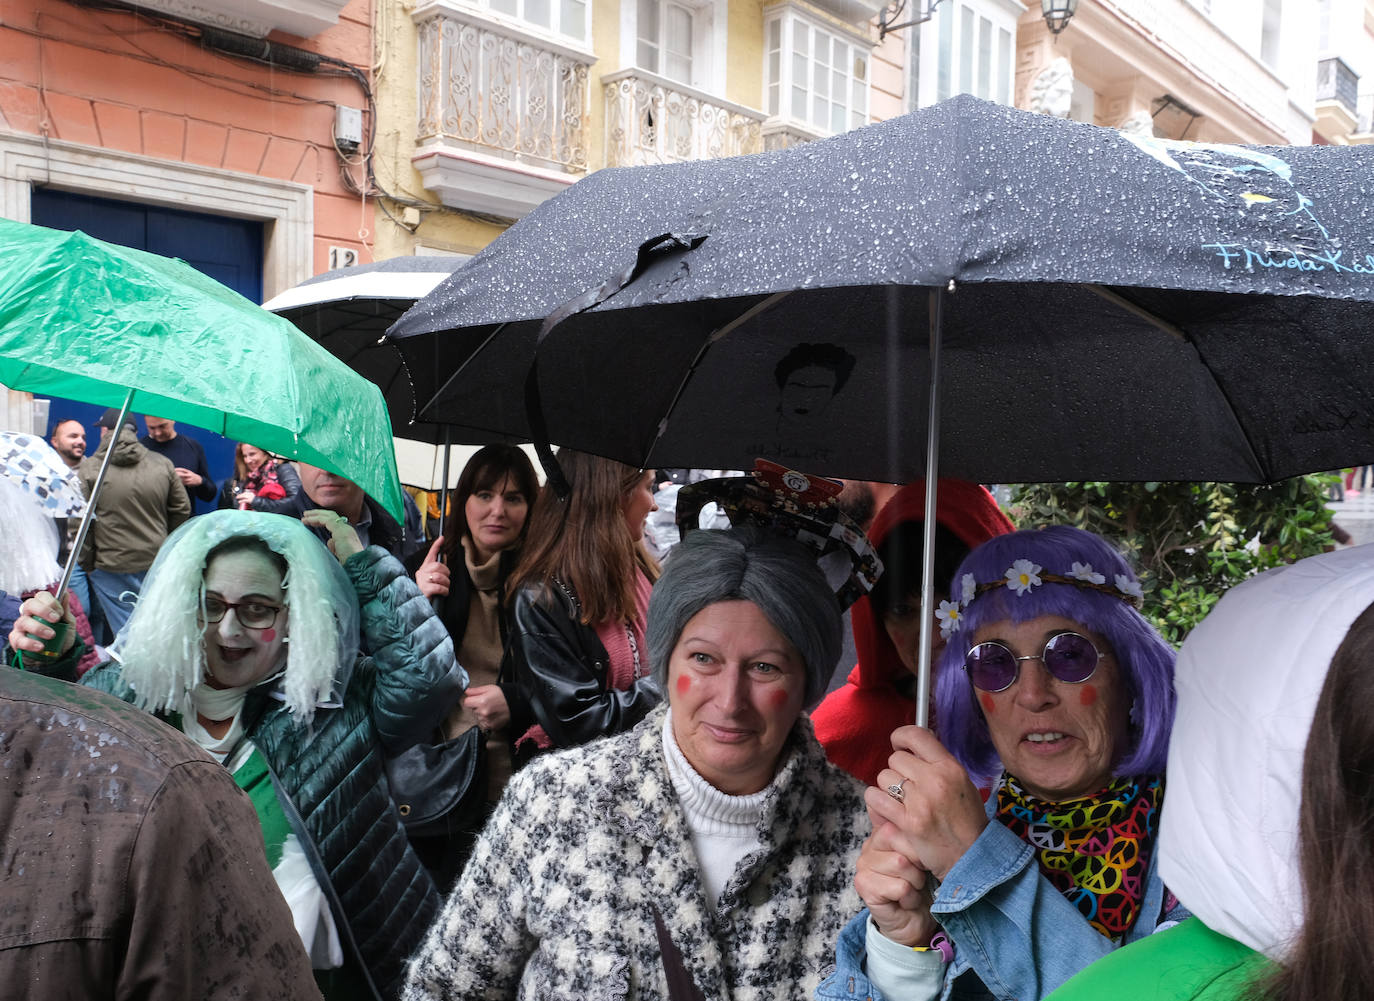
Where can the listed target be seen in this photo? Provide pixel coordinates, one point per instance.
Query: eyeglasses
(1070, 657)
(251, 614)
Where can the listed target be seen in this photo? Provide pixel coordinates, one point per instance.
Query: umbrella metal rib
(743, 318)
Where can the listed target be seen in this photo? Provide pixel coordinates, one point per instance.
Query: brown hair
(584, 541)
(487, 468)
(240, 467)
(1331, 959)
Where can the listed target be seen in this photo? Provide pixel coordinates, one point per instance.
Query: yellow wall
(744, 53)
(606, 45)
(396, 89)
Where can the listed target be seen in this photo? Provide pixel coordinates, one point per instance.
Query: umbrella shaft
(923, 672)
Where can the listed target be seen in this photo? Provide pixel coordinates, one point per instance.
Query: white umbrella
(347, 311)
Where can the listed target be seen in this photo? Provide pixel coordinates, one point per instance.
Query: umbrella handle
(88, 515)
(437, 602)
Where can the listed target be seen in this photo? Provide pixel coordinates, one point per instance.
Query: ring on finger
(895, 791)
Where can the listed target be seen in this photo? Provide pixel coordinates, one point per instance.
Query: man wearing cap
(187, 457)
(140, 502)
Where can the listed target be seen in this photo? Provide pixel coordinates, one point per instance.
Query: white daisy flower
(1125, 585)
(1023, 576)
(1085, 571)
(969, 586)
(949, 614)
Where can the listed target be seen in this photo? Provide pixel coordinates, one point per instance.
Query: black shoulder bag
(440, 790)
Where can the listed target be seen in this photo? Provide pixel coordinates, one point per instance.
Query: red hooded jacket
(854, 721)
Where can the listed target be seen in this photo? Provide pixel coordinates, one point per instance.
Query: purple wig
(1145, 660)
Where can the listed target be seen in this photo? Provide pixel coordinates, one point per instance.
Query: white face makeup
(236, 654)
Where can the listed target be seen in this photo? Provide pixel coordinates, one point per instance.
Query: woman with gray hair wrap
(246, 639)
(706, 853)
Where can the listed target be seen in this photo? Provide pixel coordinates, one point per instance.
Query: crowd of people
(664, 780)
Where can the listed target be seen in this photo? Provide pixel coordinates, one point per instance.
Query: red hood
(854, 721)
(967, 510)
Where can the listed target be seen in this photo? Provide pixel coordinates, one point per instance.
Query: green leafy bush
(1189, 542)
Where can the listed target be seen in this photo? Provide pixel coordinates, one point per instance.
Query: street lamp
(1057, 13)
(923, 11)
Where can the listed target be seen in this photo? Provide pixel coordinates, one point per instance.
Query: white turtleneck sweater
(724, 828)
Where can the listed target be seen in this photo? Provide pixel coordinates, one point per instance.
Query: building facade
(488, 107)
(1345, 71)
(223, 132)
(491, 106)
(219, 109)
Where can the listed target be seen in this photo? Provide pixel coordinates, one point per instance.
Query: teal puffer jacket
(332, 768)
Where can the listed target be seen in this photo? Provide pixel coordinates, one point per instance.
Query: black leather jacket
(561, 670)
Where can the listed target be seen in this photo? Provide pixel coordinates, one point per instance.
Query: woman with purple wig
(1057, 694)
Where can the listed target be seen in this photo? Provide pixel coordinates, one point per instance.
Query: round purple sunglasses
(1070, 657)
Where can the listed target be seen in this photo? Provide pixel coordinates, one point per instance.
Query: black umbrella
(349, 309)
(1099, 306)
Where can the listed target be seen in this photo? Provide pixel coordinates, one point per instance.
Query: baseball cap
(111, 416)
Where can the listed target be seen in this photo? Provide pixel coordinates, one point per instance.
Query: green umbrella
(97, 322)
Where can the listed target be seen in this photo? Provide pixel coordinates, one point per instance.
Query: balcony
(503, 111)
(1338, 82)
(650, 119)
(784, 133)
(306, 18)
(1182, 34)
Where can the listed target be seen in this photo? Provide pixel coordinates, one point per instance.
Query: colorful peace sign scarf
(1095, 850)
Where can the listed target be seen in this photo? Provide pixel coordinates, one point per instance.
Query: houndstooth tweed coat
(559, 898)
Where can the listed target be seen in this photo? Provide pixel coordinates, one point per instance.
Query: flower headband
(1023, 576)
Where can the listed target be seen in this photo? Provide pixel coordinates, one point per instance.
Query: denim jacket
(1008, 924)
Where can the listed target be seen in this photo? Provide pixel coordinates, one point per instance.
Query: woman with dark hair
(246, 638)
(854, 721)
(707, 852)
(1056, 691)
(465, 573)
(1268, 834)
(578, 599)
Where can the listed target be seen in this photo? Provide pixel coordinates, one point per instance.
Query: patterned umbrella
(28, 538)
(34, 465)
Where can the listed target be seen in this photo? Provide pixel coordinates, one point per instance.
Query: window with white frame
(666, 30)
(815, 75)
(968, 47)
(561, 17)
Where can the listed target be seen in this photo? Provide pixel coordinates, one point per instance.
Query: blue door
(228, 250)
